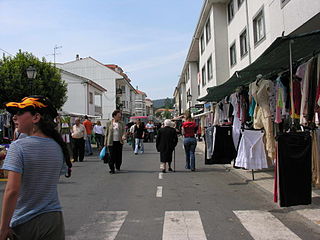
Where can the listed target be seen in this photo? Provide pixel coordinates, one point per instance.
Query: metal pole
(291, 80)
(174, 160)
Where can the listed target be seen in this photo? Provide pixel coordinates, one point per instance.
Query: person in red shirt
(189, 128)
(88, 125)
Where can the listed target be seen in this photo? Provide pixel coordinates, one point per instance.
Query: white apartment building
(84, 95)
(149, 107)
(232, 34)
(97, 72)
(140, 104)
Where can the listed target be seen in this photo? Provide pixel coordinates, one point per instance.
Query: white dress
(251, 152)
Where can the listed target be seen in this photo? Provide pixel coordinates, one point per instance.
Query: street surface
(141, 203)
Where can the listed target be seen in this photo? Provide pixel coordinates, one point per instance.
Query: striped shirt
(40, 161)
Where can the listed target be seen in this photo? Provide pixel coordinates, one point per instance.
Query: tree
(167, 115)
(15, 85)
(168, 103)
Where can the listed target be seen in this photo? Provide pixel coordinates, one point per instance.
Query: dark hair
(115, 112)
(85, 117)
(47, 126)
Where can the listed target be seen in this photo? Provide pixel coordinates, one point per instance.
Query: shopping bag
(104, 155)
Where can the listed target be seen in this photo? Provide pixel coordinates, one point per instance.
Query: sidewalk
(263, 179)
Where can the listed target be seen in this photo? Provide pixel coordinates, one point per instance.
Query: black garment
(295, 173)
(166, 157)
(115, 155)
(99, 139)
(78, 149)
(224, 151)
(138, 131)
(166, 141)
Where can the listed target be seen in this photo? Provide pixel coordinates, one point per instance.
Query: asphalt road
(139, 203)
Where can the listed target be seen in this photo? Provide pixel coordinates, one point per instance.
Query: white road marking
(105, 226)
(311, 214)
(183, 225)
(159, 191)
(160, 175)
(262, 225)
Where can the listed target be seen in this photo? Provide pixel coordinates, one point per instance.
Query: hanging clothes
(251, 153)
(236, 121)
(304, 93)
(294, 168)
(316, 158)
(260, 90)
(209, 137)
(223, 151)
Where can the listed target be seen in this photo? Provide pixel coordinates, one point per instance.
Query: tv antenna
(55, 53)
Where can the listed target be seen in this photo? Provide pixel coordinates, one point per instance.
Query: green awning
(274, 60)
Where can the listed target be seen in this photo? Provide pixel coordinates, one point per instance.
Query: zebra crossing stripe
(262, 225)
(105, 225)
(159, 192)
(182, 225)
(160, 175)
(311, 214)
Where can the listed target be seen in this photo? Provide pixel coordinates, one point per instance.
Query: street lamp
(31, 74)
(189, 97)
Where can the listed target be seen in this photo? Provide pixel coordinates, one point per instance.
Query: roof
(273, 60)
(140, 92)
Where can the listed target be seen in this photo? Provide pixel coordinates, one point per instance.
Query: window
(203, 75)
(90, 97)
(284, 2)
(208, 31)
(230, 10)
(209, 67)
(97, 99)
(240, 3)
(233, 56)
(187, 74)
(259, 27)
(243, 43)
(123, 89)
(202, 43)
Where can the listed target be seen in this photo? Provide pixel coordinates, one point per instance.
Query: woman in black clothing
(138, 136)
(166, 141)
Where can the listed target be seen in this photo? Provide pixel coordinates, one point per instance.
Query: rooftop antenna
(55, 53)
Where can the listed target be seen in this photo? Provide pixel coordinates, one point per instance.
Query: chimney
(137, 88)
(77, 57)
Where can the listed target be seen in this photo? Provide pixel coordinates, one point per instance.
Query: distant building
(140, 104)
(149, 107)
(84, 95)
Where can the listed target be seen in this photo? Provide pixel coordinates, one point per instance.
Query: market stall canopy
(275, 59)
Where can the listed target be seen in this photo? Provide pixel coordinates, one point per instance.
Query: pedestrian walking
(189, 129)
(78, 135)
(31, 208)
(150, 129)
(114, 139)
(166, 142)
(89, 126)
(99, 135)
(139, 131)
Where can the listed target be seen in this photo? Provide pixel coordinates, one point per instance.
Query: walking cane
(174, 160)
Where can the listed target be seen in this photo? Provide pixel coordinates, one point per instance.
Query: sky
(149, 39)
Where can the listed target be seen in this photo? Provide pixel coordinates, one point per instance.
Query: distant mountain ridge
(159, 103)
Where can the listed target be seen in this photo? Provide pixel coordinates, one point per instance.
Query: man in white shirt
(78, 135)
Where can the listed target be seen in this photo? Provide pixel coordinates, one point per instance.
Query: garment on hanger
(316, 158)
(251, 153)
(294, 168)
(210, 134)
(236, 121)
(260, 90)
(304, 93)
(223, 151)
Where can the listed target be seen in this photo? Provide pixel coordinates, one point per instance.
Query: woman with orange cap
(30, 205)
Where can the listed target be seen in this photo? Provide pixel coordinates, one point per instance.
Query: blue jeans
(88, 147)
(139, 142)
(190, 148)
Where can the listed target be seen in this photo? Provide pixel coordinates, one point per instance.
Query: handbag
(104, 155)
